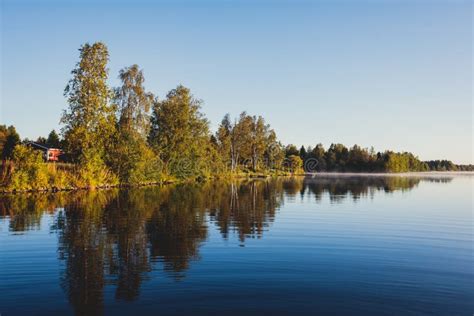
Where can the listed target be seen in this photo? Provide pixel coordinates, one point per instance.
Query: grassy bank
(30, 174)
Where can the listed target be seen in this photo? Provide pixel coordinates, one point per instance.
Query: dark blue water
(324, 245)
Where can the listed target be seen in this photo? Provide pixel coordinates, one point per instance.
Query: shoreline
(160, 183)
(422, 174)
(391, 174)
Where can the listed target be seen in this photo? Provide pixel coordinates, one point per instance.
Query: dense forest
(128, 136)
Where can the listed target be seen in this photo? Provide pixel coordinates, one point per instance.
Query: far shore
(390, 174)
(426, 174)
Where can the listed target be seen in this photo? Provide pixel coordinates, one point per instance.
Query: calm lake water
(324, 245)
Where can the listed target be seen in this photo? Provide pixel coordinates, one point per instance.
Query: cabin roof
(41, 146)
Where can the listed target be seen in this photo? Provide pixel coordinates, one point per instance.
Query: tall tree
(3, 137)
(247, 141)
(11, 140)
(131, 159)
(274, 152)
(180, 132)
(133, 102)
(243, 138)
(258, 139)
(337, 157)
(89, 120)
(224, 141)
(319, 154)
(303, 153)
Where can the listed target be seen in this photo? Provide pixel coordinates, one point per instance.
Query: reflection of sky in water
(327, 245)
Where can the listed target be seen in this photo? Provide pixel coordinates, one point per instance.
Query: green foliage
(30, 172)
(357, 159)
(231, 141)
(274, 153)
(130, 157)
(216, 164)
(27, 171)
(134, 162)
(337, 157)
(446, 165)
(291, 150)
(3, 137)
(224, 142)
(133, 102)
(247, 142)
(90, 119)
(59, 179)
(89, 122)
(295, 164)
(180, 133)
(464, 167)
(41, 140)
(318, 154)
(403, 162)
(53, 140)
(147, 169)
(92, 172)
(303, 153)
(9, 138)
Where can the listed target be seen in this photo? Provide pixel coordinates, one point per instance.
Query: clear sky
(389, 74)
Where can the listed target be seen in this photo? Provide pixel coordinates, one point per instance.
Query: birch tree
(89, 120)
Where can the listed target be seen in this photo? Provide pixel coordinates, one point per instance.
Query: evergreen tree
(303, 153)
(41, 140)
(3, 136)
(11, 140)
(291, 150)
(225, 142)
(319, 153)
(53, 140)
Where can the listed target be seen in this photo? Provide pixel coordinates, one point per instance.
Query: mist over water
(369, 245)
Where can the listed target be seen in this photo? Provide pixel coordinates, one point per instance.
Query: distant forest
(127, 136)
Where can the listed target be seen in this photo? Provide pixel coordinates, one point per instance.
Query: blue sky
(389, 74)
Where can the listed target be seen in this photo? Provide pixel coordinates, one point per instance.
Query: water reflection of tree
(85, 247)
(117, 237)
(112, 238)
(245, 207)
(356, 187)
(25, 211)
(124, 221)
(177, 228)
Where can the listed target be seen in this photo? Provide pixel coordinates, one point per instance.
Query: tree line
(127, 135)
(339, 158)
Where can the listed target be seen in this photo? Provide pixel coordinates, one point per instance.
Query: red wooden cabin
(49, 154)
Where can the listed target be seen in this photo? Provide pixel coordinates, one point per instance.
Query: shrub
(133, 161)
(29, 171)
(92, 172)
(295, 164)
(147, 168)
